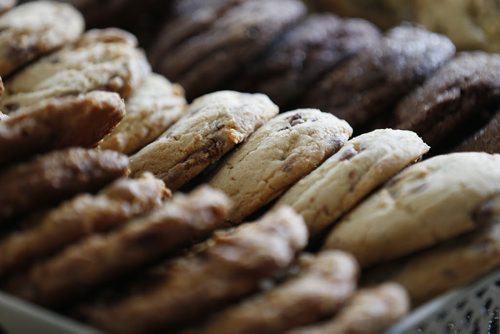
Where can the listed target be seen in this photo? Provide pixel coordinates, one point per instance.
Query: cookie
(151, 110)
(33, 29)
(451, 265)
(101, 60)
(370, 311)
(299, 59)
(79, 217)
(6, 5)
(432, 201)
(94, 260)
(456, 102)
(50, 178)
(228, 267)
(319, 291)
(277, 155)
(212, 126)
(368, 86)
(384, 13)
(189, 17)
(470, 24)
(344, 180)
(486, 139)
(57, 123)
(209, 57)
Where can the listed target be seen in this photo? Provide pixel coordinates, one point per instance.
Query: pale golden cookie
(427, 203)
(102, 60)
(33, 29)
(151, 110)
(342, 181)
(277, 155)
(213, 125)
(451, 265)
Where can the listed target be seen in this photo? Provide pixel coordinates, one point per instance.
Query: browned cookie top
(59, 122)
(308, 50)
(457, 101)
(208, 57)
(53, 177)
(371, 83)
(190, 17)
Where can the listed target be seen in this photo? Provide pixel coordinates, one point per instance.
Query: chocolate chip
(296, 119)
(484, 213)
(348, 154)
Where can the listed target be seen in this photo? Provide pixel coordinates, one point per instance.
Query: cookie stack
(343, 66)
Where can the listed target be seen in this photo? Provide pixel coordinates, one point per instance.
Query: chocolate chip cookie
(300, 58)
(34, 29)
(344, 180)
(151, 110)
(211, 56)
(213, 125)
(92, 261)
(447, 266)
(486, 139)
(228, 267)
(79, 217)
(370, 311)
(367, 87)
(101, 60)
(50, 178)
(277, 155)
(319, 290)
(58, 123)
(456, 102)
(431, 201)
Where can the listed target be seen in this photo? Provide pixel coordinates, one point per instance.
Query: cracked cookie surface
(213, 125)
(277, 155)
(346, 178)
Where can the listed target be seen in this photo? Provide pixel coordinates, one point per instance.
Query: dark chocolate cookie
(368, 86)
(202, 56)
(308, 50)
(456, 102)
(486, 139)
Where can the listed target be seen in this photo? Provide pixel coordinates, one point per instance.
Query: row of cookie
(66, 252)
(80, 64)
(303, 158)
(211, 276)
(407, 78)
